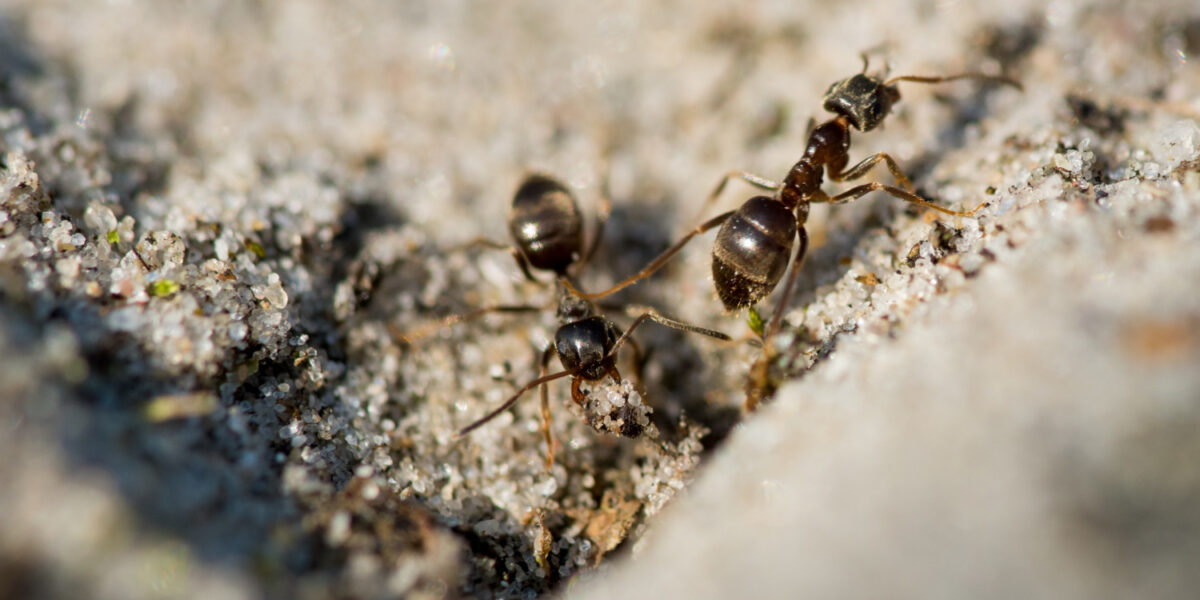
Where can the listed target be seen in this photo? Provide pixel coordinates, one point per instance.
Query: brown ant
(547, 230)
(754, 243)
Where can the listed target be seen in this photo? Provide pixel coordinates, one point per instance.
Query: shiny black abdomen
(546, 224)
(752, 251)
(585, 345)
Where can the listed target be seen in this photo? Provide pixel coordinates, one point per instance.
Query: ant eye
(874, 115)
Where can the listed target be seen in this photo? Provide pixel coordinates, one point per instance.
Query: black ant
(547, 229)
(754, 243)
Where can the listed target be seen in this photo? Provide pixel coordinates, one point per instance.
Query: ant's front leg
(576, 393)
(862, 167)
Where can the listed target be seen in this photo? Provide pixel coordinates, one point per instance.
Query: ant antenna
(413, 336)
(513, 400)
(968, 75)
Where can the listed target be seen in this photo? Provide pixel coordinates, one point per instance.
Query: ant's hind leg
(865, 165)
(645, 313)
(655, 264)
(649, 314)
(760, 385)
(667, 254)
(750, 178)
(862, 190)
(524, 264)
(777, 318)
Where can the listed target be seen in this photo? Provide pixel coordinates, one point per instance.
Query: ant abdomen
(546, 224)
(585, 346)
(752, 251)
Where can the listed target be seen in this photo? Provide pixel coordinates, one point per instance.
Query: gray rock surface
(218, 219)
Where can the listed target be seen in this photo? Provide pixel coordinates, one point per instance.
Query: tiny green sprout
(755, 320)
(256, 248)
(170, 407)
(162, 288)
(113, 237)
(246, 369)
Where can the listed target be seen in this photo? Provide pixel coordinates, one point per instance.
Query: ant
(754, 243)
(547, 230)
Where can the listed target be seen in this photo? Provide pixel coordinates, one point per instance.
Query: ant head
(584, 346)
(862, 99)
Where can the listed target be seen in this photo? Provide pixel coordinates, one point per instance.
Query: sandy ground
(219, 219)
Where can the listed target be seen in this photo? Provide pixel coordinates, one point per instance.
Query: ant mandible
(547, 230)
(754, 243)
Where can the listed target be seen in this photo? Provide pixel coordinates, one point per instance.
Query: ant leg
(545, 391)
(576, 393)
(757, 388)
(639, 365)
(494, 245)
(750, 178)
(777, 318)
(866, 188)
(944, 78)
(655, 264)
(524, 264)
(410, 337)
(649, 315)
(479, 242)
(615, 374)
(653, 315)
(865, 165)
(636, 310)
(513, 400)
(639, 362)
(760, 385)
(602, 214)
